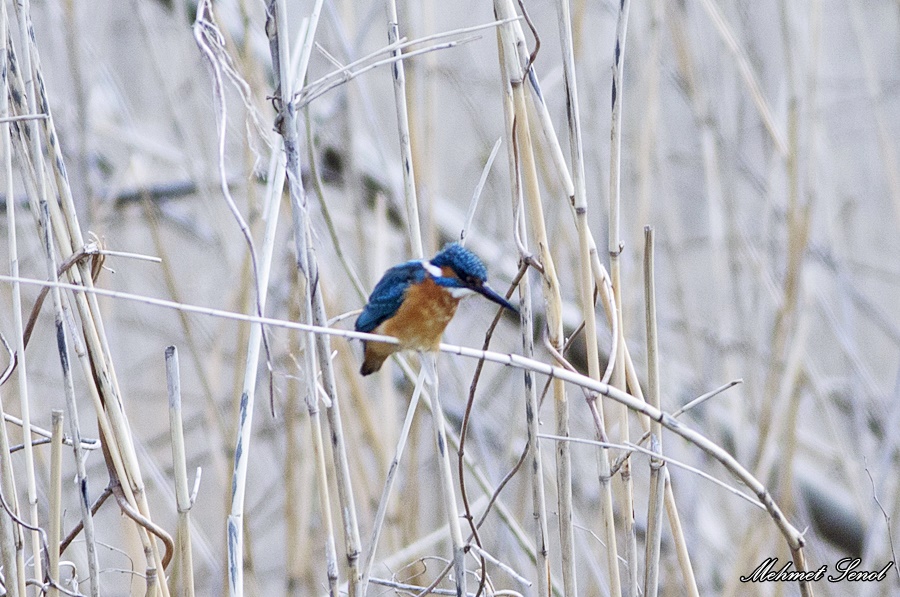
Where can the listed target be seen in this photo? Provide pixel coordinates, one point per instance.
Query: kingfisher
(414, 302)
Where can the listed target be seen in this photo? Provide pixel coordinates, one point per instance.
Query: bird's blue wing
(387, 296)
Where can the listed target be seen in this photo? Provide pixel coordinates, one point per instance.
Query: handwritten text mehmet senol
(845, 569)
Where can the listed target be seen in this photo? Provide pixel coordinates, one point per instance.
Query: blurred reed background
(757, 139)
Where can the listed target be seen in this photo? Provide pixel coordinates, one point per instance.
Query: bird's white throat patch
(460, 292)
(434, 270)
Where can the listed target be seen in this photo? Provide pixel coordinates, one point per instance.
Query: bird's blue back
(387, 296)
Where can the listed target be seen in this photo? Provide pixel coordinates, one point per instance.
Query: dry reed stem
(654, 521)
(615, 252)
(66, 228)
(306, 96)
(353, 545)
(439, 426)
(653, 384)
(297, 475)
(183, 581)
(276, 28)
(421, 118)
(315, 425)
(579, 203)
(55, 501)
(657, 466)
(204, 29)
(467, 418)
(521, 138)
(409, 177)
(25, 32)
(538, 106)
(378, 521)
(536, 100)
(10, 532)
(428, 362)
(248, 391)
(681, 550)
(211, 43)
(526, 321)
(62, 340)
(310, 270)
(628, 449)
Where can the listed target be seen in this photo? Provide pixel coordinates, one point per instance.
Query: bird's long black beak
(489, 293)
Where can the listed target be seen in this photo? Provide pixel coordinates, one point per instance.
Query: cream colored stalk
(53, 535)
(380, 513)
(615, 251)
(65, 227)
(532, 406)
(398, 72)
(521, 137)
(37, 158)
(657, 465)
(585, 240)
(10, 534)
(183, 580)
(62, 341)
(338, 443)
(276, 28)
(428, 362)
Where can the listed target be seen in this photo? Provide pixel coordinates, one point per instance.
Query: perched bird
(414, 302)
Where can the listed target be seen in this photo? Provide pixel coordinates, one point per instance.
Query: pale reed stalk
(277, 30)
(428, 361)
(183, 583)
(585, 240)
(521, 137)
(615, 252)
(55, 531)
(9, 532)
(526, 313)
(657, 465)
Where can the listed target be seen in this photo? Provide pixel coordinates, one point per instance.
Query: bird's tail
(374, 356)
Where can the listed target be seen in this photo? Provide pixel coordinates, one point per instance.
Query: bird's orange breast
(422, 318)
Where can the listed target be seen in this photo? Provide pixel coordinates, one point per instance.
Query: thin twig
(345, 73)
(476, 194)
(211, 44)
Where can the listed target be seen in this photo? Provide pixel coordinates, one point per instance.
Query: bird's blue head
(464, 263)
(468, 272)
